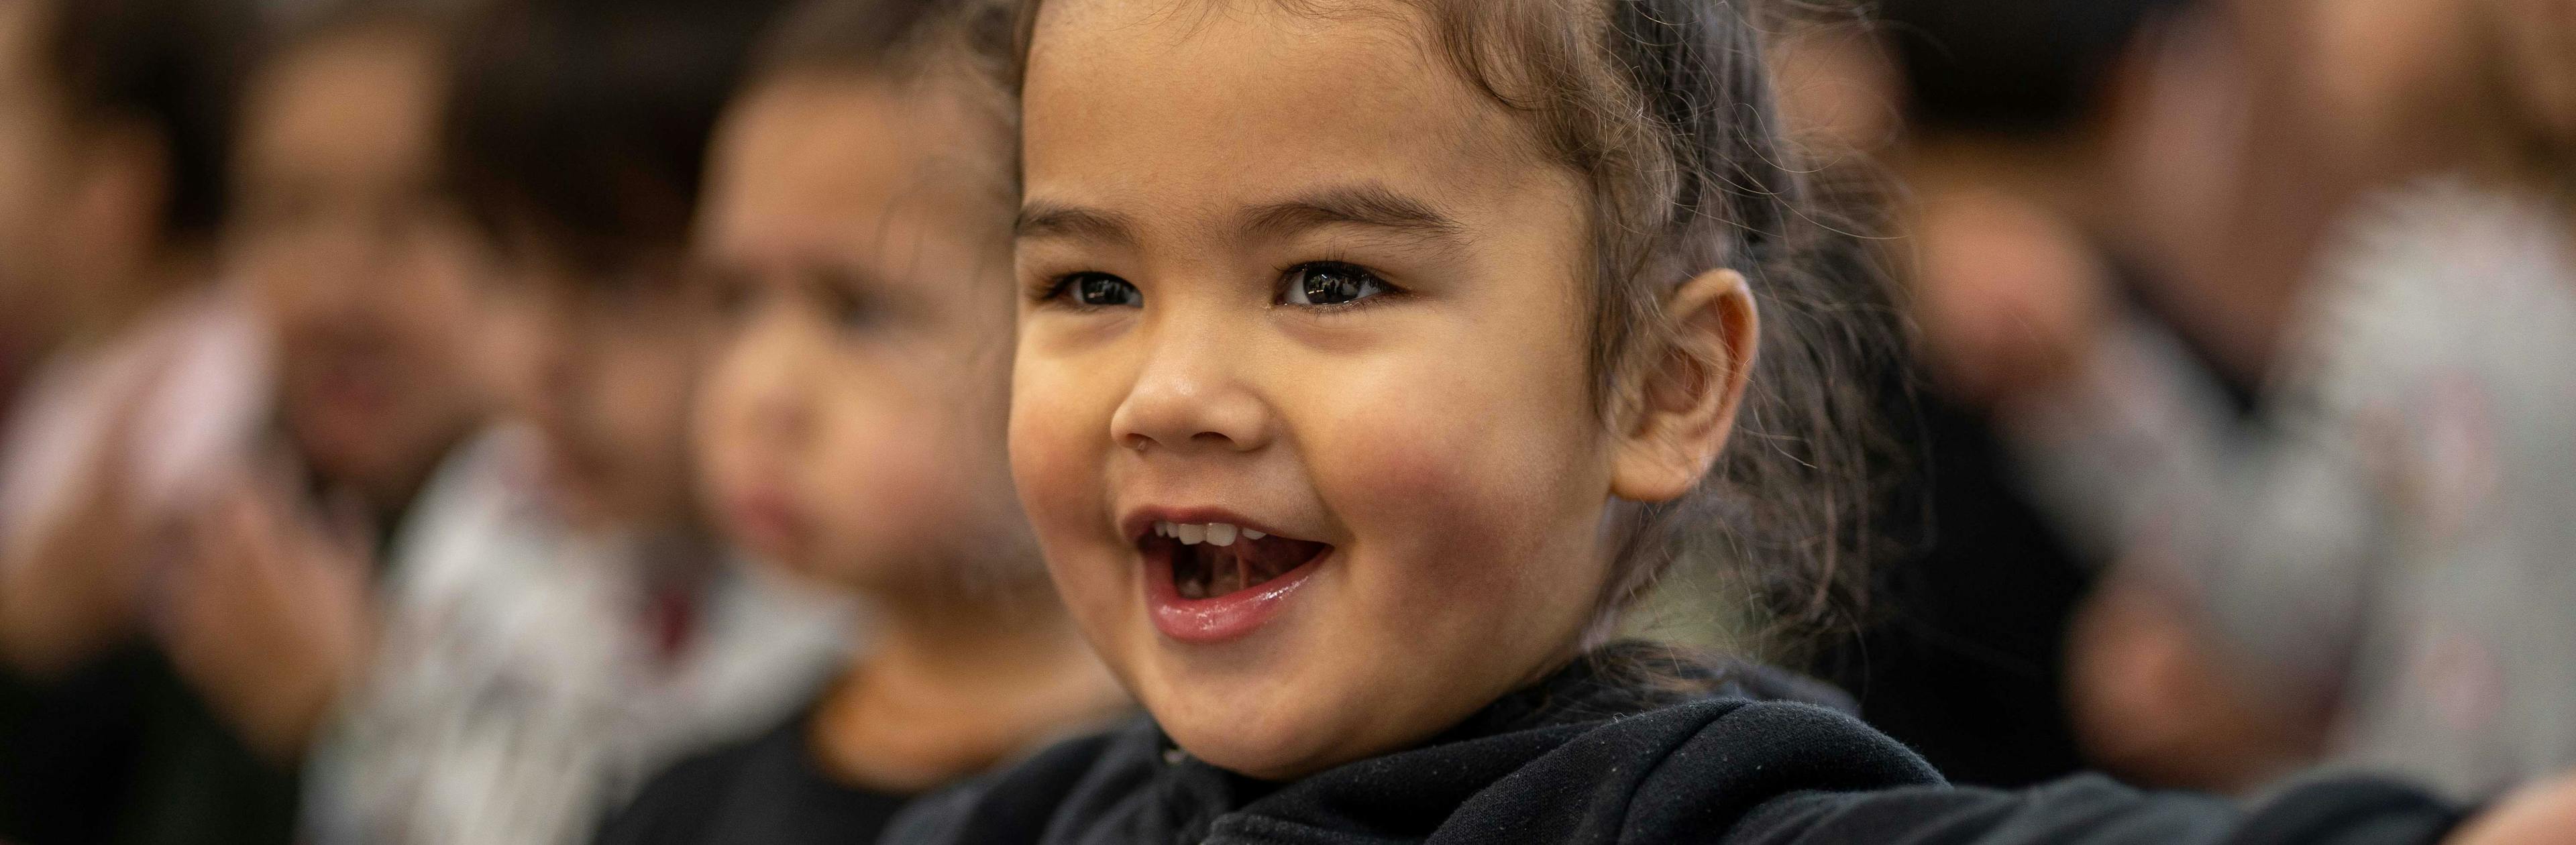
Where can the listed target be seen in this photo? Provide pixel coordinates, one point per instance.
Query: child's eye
(847, 310)
(732, 294)
(841, 294)
(1330, 283)
(1099, 290)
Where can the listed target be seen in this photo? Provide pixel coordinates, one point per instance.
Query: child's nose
(1190, 395)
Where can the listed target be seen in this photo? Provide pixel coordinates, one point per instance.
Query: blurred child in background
(853, 430)
(362, 272)
(562, 623)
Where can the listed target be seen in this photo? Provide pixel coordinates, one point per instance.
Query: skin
(851, 427)
(268, 612)
(362, 267)
(1441, 439)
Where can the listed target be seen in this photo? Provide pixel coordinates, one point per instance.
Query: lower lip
(1221, 618)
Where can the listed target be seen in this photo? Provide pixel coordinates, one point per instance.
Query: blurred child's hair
(956, 47)
(589, 119)
(172, 65)
(1665, 108)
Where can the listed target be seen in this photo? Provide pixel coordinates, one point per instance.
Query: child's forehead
(838, 167)
(1254, 95)
(825, 141)
(357, 103)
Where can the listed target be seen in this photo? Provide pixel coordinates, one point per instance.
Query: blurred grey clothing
(517, 697)
(2394, 535)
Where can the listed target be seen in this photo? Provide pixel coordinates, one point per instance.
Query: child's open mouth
(1217, 580)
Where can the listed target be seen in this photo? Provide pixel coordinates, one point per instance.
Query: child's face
(602, 364)
(360, 264)
(852, 427)
(1305, 282)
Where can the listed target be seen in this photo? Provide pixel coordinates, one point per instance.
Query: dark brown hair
(590, 119)
(173, 65)
(1665, 108)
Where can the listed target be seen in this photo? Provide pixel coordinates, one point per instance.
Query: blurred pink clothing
(199, 369)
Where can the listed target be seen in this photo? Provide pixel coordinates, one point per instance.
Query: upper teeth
(1214, 533)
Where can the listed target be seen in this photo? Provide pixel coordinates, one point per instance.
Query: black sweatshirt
(1587, 757)
(770, 790)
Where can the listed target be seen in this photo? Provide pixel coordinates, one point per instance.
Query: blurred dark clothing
(770, 790)
(123, 752)
(1964, 658)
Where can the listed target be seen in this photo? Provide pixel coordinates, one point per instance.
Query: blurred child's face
(361, 265)
(1289, 275)
(603, 363)
(852, 427)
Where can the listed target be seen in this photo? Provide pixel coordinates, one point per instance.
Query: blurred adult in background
(560, 622)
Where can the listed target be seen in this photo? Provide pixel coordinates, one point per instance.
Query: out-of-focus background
(347, 354)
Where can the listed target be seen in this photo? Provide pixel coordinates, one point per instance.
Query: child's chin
(1267, 752)
(1257, 727)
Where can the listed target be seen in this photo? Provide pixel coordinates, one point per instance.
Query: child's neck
(950, 685)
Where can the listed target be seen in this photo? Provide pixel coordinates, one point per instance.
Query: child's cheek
(1453, 508)
(1056, 454)
(910, 474)
(888, 497)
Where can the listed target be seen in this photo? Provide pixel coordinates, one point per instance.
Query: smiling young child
(1373, 355)
(851, 430)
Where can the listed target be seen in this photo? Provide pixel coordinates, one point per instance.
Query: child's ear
(1681, 406)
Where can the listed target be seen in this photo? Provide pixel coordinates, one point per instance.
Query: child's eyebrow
(1040, 219)
(1366, 204)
